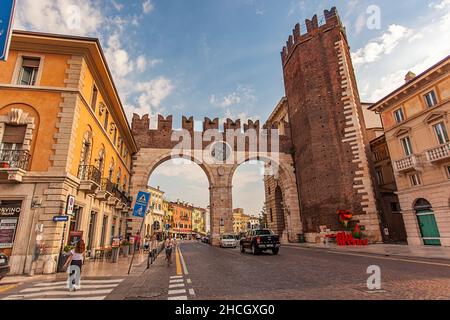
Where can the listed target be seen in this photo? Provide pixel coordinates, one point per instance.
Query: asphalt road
(202, 272)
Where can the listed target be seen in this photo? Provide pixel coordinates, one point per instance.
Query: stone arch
(285, 179)
(149, 159)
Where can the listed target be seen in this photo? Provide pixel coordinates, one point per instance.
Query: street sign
(140, 208)
(60, 218)
(6, 21)
(70, 205)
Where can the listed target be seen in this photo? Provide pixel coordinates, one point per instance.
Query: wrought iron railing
(89, 173)
(14, 159)
(107, 185)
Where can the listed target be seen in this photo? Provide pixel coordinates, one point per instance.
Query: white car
(228, 241)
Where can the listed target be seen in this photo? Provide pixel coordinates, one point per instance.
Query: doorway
(427, 223)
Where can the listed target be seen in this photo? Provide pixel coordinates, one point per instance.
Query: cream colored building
(66, 147)
(240, 220)
(416, 121)
(156, 214)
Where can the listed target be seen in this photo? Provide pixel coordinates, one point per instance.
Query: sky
(221, 58)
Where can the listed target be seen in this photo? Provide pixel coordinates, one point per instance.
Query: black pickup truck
(260, 240)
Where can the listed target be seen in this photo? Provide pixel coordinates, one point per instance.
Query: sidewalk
(91, 269)
(423, 252)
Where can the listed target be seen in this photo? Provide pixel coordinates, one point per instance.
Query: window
(430, 99)
(407, 147)
(380, 177)
(399, 115)
(29, 71)
(94, 98)
(13, 137)
(441, 133)
(416, 180)
(105, 124)
(447, 169)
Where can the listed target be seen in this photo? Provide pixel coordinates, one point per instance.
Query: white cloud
(118, 6)
(242, 95)
(381, 46)
(426, 45)
(58, 16)
(148, 6)
(150, 95)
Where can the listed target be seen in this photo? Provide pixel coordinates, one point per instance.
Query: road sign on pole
(6, 23)
(141, 205)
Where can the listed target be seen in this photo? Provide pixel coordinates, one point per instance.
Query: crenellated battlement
(161, 137)
(303, 33)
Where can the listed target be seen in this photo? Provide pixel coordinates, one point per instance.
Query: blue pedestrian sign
(141, 206)
(6, 21)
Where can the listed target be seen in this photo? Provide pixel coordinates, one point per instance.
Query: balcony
(411, 163)
(106, 190)
(13, 165)
(90, 178)
(439, 154)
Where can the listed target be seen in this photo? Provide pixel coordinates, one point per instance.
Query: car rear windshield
(263, 233)
(228, 237)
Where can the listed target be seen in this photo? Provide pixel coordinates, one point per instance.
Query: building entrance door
(428, 228)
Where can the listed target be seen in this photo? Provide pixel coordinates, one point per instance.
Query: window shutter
(31, 62)
(14, 134)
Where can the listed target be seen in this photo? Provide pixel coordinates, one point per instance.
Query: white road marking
(64, 287)
(178, 298)
(189, 281)
(174, 292)
(58, 293)
(49, 284)
(90, 290)
(176, 277)
(192, 292)
(177, 285)
(176, 280)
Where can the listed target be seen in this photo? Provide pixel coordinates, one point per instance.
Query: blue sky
(221, 58)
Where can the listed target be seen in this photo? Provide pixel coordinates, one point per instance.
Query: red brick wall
(324, 168)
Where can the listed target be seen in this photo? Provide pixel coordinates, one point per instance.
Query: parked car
(260, 240)
(4, 265)
(228, 241)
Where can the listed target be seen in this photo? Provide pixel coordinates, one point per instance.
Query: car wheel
(275, 251)
(242, 248)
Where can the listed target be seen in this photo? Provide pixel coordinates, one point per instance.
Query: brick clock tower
(328, 129)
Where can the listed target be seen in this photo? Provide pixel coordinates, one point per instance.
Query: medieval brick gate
(219, 154)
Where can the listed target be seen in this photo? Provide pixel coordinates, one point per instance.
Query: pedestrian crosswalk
(90, 290)
(178, 290)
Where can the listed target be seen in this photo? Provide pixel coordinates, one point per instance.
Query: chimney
(409, 76)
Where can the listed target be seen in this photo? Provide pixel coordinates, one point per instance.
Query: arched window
(119, 177)
(111, 170)
(100, 161)
(85, 156)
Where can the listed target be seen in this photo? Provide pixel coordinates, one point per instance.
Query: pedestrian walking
(169, 245)
(76, 258)
(137, 241)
